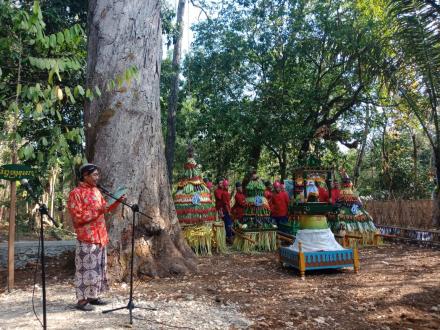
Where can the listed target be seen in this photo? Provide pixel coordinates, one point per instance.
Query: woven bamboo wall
(401, 213)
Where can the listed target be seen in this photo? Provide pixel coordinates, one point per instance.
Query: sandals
(98, 302)
(85, 307)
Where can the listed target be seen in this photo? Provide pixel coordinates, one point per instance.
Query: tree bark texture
(174, 92)
(124, 137)
(283, 164)
(253, 160)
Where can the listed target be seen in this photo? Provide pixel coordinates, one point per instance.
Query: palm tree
(416, 39)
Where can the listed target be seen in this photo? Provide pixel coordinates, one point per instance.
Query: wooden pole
(242, 235)
(355, 258)
(301, 261)
(11, 237)
(284, 238)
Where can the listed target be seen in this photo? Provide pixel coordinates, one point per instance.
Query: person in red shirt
(323, 195)
(218, 192)
(226, 211)
(279, 204)
(335, 193)
(87, 207)
(240, 203)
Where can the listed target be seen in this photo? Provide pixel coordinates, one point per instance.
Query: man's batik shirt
(87, 206)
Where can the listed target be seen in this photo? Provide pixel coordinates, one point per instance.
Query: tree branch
(276, 153)
(201, 9)
(343, 109)
(415, 109)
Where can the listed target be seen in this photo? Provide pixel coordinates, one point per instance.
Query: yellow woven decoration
(199, 238)
(219, 237)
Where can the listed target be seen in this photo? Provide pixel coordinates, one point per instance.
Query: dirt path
(398, 287)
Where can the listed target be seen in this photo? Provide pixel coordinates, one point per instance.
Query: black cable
(35, 282)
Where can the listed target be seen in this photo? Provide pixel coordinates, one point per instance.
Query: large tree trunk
(174, 92)
(253, 160)
(305, 147)
(254, 156)
(283, 163)
(124, 137)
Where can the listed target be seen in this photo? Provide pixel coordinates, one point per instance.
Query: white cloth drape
(316, 240)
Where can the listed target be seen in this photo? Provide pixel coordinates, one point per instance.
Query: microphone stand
(42, 208)
(135, 209)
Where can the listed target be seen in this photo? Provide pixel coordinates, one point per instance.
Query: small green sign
(14, 172)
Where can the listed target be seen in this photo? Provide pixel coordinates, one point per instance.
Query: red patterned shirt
(87, 206)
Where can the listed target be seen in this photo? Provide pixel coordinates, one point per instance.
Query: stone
(189, 297)
(296, 314)
(320, 320)
(434, 309)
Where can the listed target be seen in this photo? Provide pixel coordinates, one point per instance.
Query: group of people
(275, 194)
(87, 207)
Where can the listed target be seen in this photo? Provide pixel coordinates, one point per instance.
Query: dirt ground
(398, 287)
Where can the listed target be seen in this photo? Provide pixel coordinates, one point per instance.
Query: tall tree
(416, 78)
(124, 136)
(281, 75)
(173, 97)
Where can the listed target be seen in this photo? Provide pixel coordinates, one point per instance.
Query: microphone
(102, 188)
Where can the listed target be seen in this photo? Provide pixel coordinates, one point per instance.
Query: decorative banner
(355, 209)
(258, 201)
(196, 199)
(15, 172)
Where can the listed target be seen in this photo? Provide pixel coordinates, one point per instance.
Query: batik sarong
(91, 270)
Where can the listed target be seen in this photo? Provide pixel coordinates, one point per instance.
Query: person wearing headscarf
(87, 207)
(240, 203)
(279, 204)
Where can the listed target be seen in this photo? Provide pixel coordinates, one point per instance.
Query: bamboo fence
(401, 213)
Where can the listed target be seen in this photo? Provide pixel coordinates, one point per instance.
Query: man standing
(87, 207)
(226, 211)
(240, 203)
(218, 198)
(279, 204)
